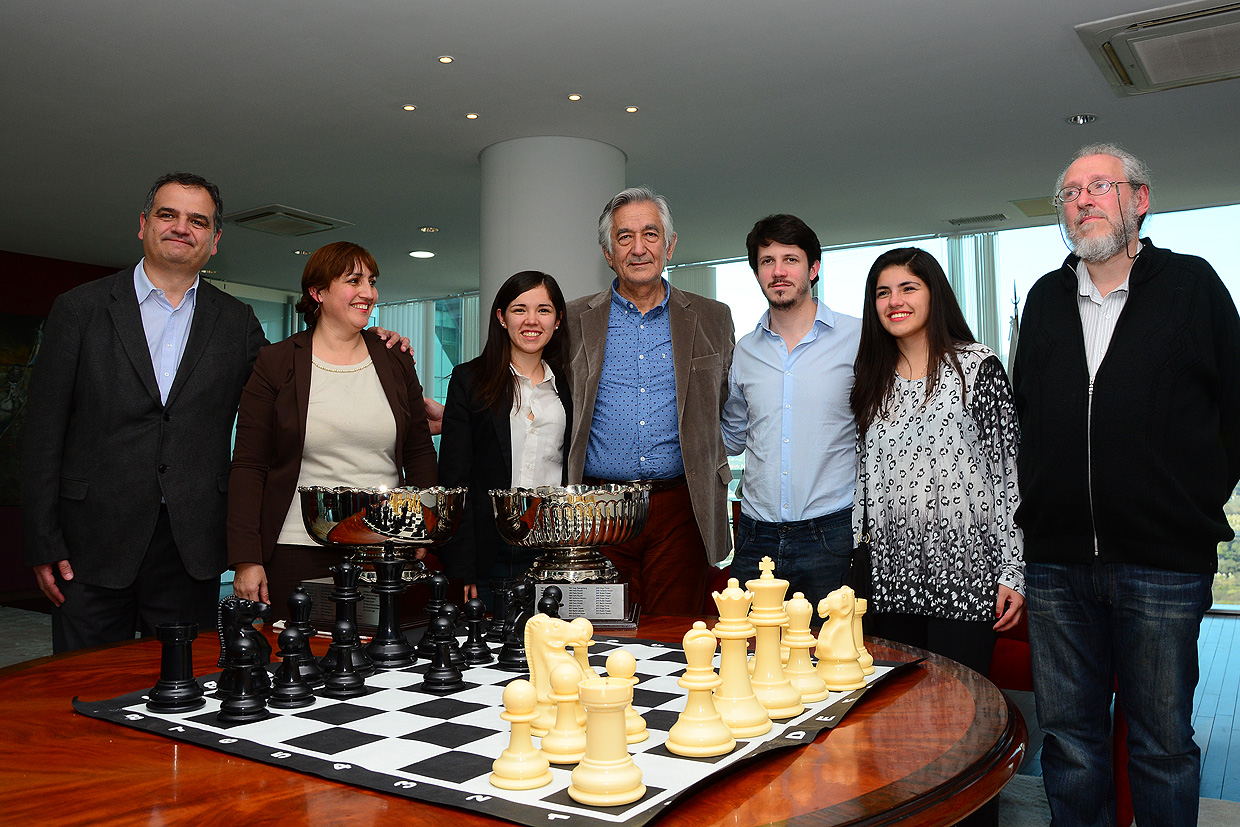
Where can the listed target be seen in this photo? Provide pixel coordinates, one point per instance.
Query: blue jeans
(812, 555)
(1137, 626)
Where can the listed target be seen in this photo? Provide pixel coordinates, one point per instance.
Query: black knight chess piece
(520, 609)
(235, 619)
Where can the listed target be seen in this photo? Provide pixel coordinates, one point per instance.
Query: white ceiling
(868, 118)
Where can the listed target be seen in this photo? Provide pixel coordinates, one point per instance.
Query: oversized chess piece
(581, 651)
(770, 684)
(300, 604)
(837, 649)
(475, 649)
(863, 654)
(243, 703)
(502, 592)
(443, 676)
(700, 732)
(453, 614)
(734, 697)
(512, 658)
(800, 640)
(565, 742)
(606, 776)
(343, 681)
(521, 766)
(439, 596)
(546, 647)
(235, 618)
(389, 649)
(289, 690)
(550, 602)
(346, 596)
(623, 666)
(176, 690)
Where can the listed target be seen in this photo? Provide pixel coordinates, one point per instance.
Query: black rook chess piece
(289, 690)
(176, 690)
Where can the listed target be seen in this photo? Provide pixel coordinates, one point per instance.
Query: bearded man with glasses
(1127, 380)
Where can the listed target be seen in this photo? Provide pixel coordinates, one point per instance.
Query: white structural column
(541, 198)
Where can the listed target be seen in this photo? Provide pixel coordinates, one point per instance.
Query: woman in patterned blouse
(936, 480)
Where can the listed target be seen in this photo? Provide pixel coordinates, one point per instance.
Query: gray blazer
(702, 341)
(100, 451)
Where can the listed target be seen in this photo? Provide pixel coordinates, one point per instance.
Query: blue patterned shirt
(635, 434)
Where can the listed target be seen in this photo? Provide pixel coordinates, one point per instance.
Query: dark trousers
(163, 592)
(289, 565)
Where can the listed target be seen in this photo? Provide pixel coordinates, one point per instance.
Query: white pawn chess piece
(863, 654)
(700, 732)
(622, 665)
(734, 697)
(606, 776)
(837, 650)
(521, 766)
(770, 684)
(565, 742)
(799, 639)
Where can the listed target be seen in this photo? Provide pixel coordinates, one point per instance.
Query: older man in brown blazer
(648, 370)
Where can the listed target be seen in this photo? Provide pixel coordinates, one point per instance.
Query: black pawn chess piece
(389, 649)
(475, 649)
(176, 690)
(439, 596)
(300, 604)
(344, 681)
(442, 677)
(243, 703)
(453, 614)
(346, 596)
(502, 590)
(512, 656)
(289, 690)
(549, 603)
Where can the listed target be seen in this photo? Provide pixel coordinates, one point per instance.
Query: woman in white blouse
(505, 424)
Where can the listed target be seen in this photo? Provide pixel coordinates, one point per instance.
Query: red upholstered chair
(1011, 667)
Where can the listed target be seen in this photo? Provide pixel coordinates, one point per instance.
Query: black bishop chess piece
(300, 604)
(343, 681)
(475, 649)
(453, 614)
(290, 690)
(442, 677)
(550, 602)
(244, 703)
(439, 596)
(176, 690)
(389, 649)
(235, 619)
(346, 596)
(520, 610)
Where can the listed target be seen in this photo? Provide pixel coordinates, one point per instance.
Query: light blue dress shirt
(635, 434)
(789, 413)
(166, 327)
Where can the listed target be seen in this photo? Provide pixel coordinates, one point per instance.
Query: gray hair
(188, 179)
(633, 195)
(1135, 170)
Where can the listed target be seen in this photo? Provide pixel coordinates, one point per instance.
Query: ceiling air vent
(993, 218)
(1180, 45)
(280, 220)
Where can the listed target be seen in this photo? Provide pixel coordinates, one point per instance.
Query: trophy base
(415, 570)
(573, 565)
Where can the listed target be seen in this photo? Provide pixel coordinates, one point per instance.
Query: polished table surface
(922, 748)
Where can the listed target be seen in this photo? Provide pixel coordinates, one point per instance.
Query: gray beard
(1097, 249)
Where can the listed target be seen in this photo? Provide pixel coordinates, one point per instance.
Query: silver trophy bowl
(365, 521)
(569, 523)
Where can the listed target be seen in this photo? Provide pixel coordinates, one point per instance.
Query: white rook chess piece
(565, 742)
(799, 640)
(521, 766)
(837, 650)
(734, 697)
(863, 654)
(770, 684)
(606, 776)
(700, 732)
(622, 665)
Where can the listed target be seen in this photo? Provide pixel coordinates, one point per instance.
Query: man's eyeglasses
(1094, 188)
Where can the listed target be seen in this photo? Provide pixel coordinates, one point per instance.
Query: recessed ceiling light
(1081, 119)
(473, 116)
(422, 254)
(429, 229)
(574, 97)
(409, 107)
(301, 252)
(630, 109)
(446, 58)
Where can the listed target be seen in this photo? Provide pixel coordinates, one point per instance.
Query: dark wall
(41, 280)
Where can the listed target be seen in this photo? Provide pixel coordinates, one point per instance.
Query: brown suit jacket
(271, 432)
(702, 341)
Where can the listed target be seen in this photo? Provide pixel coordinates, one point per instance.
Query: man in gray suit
(648, 371)
(126, 454)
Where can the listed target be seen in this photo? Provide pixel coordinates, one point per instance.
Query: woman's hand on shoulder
(1009, 607)
(391, 339)
(250, 582)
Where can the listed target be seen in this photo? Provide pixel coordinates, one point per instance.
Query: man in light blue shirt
(788, 410)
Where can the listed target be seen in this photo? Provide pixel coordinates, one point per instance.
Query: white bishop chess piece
(700, 732)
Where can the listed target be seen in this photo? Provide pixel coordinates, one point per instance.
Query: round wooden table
(924, 748)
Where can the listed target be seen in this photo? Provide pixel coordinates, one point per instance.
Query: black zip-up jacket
(1142, 471)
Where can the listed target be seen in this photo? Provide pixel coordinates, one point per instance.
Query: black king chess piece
(176, 690)
(290, 690)
(235, 618)
(346, 597)
(389, 649)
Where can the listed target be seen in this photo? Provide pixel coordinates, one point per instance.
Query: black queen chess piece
(389, 649)
(176, 690)
(346, 596)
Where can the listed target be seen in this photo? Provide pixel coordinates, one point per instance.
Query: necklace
(354, 369)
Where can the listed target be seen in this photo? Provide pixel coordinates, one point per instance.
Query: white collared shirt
(537, 425)
(166, 327)
(1099, 314)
